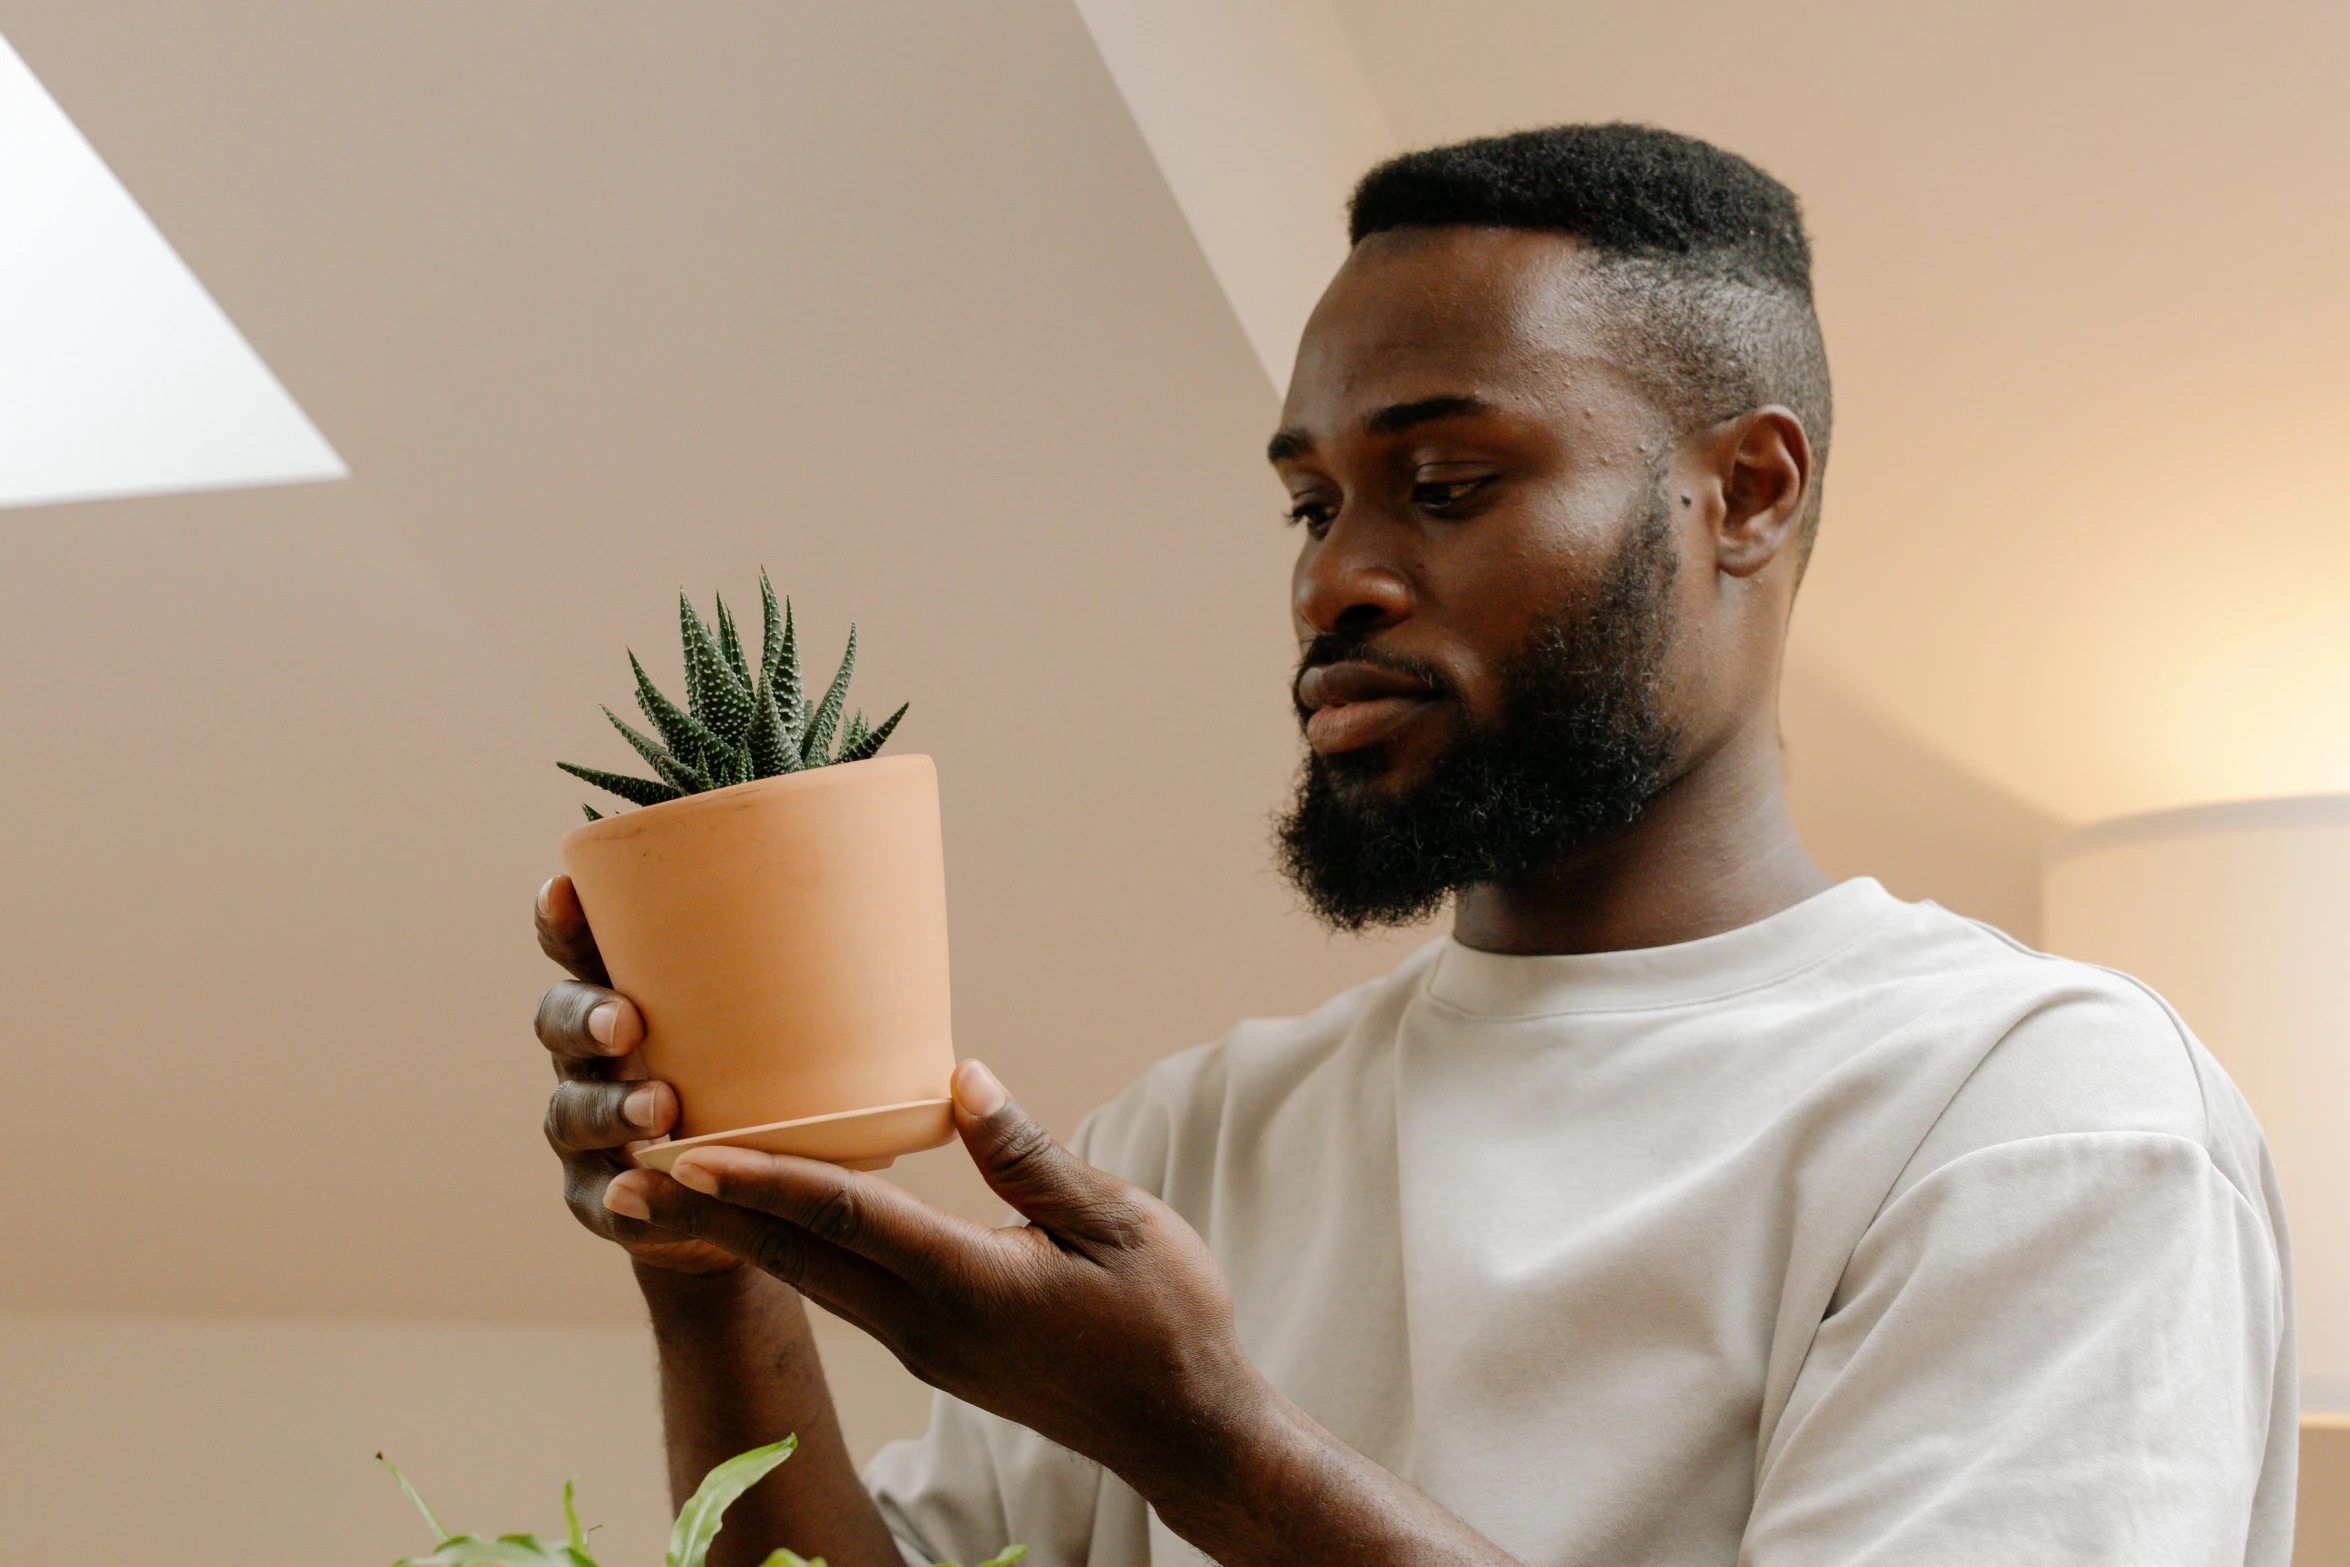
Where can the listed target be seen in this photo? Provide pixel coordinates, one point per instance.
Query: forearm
(738, 1369)
(1267, 1486)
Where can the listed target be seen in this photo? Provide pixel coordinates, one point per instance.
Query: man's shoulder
(2066, 1017)
(2079, 1049)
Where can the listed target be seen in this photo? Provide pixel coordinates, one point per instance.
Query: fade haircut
(1700, 258)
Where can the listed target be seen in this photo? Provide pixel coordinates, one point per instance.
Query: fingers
(836, 1279)
(1049, 1185)
(584, 1023)
(585, 1177)
(855, 1213)
(564, 934)
(585, 1115)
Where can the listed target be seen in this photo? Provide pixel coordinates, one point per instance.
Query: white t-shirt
(1858, 1235)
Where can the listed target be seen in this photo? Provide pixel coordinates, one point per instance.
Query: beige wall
(1874, 798)
(2323, 1538)
(252, 1442)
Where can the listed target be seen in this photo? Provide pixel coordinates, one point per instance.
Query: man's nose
(1346, 582)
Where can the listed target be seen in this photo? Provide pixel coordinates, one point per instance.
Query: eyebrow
(1391, 420)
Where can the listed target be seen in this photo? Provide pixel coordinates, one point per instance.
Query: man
(1680, 1207)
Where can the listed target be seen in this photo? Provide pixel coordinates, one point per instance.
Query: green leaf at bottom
(507, 1550)
(698, 1520)
(576, 1537)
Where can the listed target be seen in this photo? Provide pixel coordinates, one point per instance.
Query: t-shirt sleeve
(975, 1483)
(2060, 1349)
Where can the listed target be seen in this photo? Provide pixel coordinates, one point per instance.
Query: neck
(1715, 851)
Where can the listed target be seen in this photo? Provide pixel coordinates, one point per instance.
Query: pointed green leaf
(643, 744)
(815, 746)
(873, 742)
(697, 694)
(683, 778)
(636, 791)
(593, 814)
(730, 642)
(698, 1520)
(770, 627)
(772, 752)
(679, 728)
(415, 1500)
(852, 733)
(791, 703)
(712, 693)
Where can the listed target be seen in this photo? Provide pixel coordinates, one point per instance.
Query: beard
(1580, 749)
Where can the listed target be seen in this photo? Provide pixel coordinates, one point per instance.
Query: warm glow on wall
(2109, 641)
(2266, 711)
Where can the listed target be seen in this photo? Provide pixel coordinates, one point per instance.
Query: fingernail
(685, 1172)
(641, 1106)
(604, 1021)
(623, 1198)
(545, 888)
(977, 1090)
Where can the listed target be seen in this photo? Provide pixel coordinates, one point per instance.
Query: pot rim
(677, 812)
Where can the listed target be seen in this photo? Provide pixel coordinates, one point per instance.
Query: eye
(1441, 495)
(1315, 515)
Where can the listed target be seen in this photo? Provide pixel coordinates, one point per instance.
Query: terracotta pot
(786, 943)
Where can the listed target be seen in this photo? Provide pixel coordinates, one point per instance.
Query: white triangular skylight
(118, 374)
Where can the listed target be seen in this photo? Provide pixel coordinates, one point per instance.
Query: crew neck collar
(1500, 985)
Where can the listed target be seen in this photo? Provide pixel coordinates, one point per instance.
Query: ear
(1759, 468)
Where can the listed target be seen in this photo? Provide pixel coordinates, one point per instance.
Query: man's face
(1484, 595)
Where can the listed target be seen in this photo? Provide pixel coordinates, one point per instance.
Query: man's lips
(1351, 705)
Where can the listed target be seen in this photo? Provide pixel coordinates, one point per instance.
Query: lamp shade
(2239, 915)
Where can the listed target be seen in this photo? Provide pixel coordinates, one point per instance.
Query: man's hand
(605, 1103)
(1103, 1323)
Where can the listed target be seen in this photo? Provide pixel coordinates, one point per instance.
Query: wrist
(673, 1292)
(741, 1316)
(1219, 1462)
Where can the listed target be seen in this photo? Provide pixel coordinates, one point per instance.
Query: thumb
(1021, 1162)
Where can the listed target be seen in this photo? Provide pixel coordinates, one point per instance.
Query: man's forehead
(1491, 317)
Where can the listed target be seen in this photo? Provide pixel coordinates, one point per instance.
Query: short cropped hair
(1704, 254)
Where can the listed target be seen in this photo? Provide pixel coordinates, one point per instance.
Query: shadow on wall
(1871, 800)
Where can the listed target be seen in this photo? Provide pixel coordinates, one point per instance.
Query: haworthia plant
(738, 723)
(689, 1541)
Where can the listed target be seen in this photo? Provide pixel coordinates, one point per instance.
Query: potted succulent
(689, 1540)
(775, 906)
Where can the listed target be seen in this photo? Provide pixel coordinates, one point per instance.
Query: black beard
(1580, 750)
